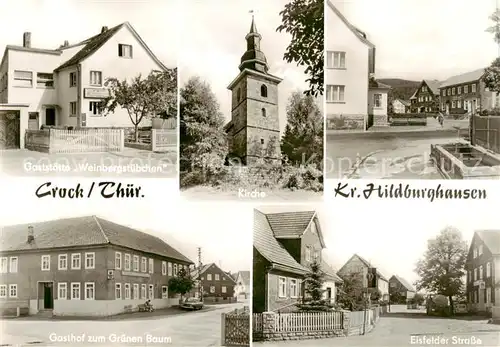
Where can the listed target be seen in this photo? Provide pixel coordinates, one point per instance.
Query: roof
(95, 42)
(463, 78)
(433, 85)
(198, 272)
(374, 84)
(359, 34)
(287, 225)
(491, 239)
(81, 232)
(404, 283)
(404, 102)
(245, 276)
(365, 263)
(266, 244)
(330, 272)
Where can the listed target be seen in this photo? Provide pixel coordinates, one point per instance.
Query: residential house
(370, 276)
(467, 93)
(483, 271)
(285, 246)
(426, 97)
(399, 285)
(400, 106)
(350, 66)
(84, 266)
(213, 283)
(242, 288)
(65, 86)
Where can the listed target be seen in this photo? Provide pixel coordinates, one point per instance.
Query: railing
(235, 328)
(86, 140)
(308, 321)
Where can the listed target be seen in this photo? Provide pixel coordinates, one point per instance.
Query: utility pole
(200, 283)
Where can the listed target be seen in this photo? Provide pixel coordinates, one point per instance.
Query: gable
(212, 268)
(360, 35)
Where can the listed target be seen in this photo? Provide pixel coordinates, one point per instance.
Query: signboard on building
(95, 93)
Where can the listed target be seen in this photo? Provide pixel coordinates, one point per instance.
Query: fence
(37, 140)
(235, 328)
(308, 321)
(486, 132)
(163, 139)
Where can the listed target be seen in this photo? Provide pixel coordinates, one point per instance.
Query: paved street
(201, 328)
(128, 163)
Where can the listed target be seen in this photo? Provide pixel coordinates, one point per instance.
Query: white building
(242, 289)
(65, 86)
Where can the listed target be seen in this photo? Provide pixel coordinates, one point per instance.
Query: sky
(425, 39)
(392, 234)
(213, 41)
(223, 230)
(51, 22)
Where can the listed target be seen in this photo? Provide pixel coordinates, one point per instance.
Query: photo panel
(400, 110)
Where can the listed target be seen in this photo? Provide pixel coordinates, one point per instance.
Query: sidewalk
(11, 340)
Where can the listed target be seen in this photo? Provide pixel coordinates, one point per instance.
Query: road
(413, 329)
(202, 328)
(128, 163)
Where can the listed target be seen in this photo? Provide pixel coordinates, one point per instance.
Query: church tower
(254, 131)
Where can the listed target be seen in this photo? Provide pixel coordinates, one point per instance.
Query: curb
(334, 135)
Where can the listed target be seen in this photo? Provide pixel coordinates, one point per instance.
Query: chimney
(31, 234)
(27, 40)
(66, 43)
(104, 29)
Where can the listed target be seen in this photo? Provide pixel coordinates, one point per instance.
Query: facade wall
(259, 283)
(281, 302)
(425, 100)
(398, 107)
(380, 110)
(355, 266)
(460, 98)
(310, 240)
(213, 286)
(4, 78)
(330, 286)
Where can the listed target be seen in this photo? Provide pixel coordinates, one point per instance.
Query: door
(48, 298)
(9, 130)
(33, 121)
(50, 116)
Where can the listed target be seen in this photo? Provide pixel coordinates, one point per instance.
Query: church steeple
(253, 58)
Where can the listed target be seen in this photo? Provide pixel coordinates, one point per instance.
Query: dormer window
(263, 91)
(124, 51)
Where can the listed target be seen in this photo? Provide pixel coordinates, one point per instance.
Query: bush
(304, 178)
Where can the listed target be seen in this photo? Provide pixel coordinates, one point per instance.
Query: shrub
(304, 178)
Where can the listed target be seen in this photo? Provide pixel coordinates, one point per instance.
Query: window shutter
(131, 52)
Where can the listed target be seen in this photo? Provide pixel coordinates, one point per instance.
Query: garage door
(9, 130)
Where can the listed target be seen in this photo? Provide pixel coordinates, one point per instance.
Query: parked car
(192, 304)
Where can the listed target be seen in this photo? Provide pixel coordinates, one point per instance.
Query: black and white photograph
(124, 273)
(93, 93)
(251, 100)
(406, 98)
(321, 280)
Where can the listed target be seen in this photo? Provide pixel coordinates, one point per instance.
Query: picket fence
(86, 140)
(308, 321)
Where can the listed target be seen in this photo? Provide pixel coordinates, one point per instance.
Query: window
(44, 80)
(75, 291)
(475, 296)
(89, 290)
(76, 263)
(466, 89)
(454, 104)
(424, 88)
(449, 91)
(72, 79)
(124, 51)
(3, 290)
(96, 78)
(135, 292)
(475, 252)
(481, 272)
(169, 269)
(45, 262)
(143, 291)
(118, 291)
(209, 277)
(151, 265)
(263, 112)
(377, 100)
(90, 260)
(281, 287)
(127, 291)
(443, 92)
(223, 289)
(475, 274)
(470, 276)
(459, 90)
(136, 263)
(62, 262)
(262, 141)
(473, 88)
(95, 108)
(212, 289)
(480, 250)
(127, 262)
(72, 109)
(118, 261)
(316, 255)
(164, 292)
(293, 288)
(488, 270)
(175, 269)
(335, 60)
(151, 293)
(3, 265)
(459, 103)
(62, 291)
(12, 290)
(488, 295)
(144, 265)
(216, 277)
(308, 253)
(13, 264)
(453, 91)
(335, 93)
(23, 79)
(263, 91)
(164, 268)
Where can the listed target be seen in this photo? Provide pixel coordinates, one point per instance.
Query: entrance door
(50, 116)
(48, 298)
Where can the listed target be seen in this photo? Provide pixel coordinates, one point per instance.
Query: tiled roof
(491, 239)
(374, 84)
(404, 102)
(359, 34)
(367, 264)
(464, 78)
(404, 283)
(245, 276)
(195, 273)
(289, 224)
(330, 272)
(81, 232)
(433, 86)
(266, 244)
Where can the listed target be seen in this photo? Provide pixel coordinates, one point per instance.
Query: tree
(182, 283)
(203, 145)
(302, 141)
(418, 299)
(304, 21)
(396, 298)
(492, 73)
(313, 287)
(154, 95)
(352, 293)
(441, 270)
